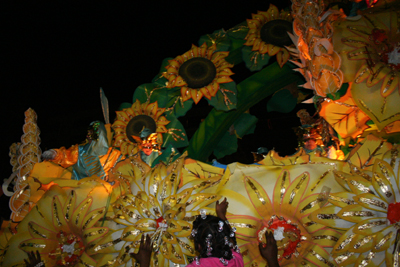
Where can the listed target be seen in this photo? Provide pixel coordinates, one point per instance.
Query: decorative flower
(200, 72)
(262, 203)
(61, 228)
(370, 50)
(131, 121)
(268, 33)
(318, 62)
(369, 213)
(159, 208)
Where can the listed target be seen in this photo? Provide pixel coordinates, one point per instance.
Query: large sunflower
(281, 202)
(158, 208)
(370, 51)
(61, 228)
(369, 208)
(131, 121)
(199, 72)
(268, 33)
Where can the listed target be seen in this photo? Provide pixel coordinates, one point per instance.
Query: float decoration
(267, 37)
(296, 191)
(344, 116)
(201, 72)
(160, 207)
(368, 213)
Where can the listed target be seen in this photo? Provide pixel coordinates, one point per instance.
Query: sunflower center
(69, 249)
(275, 32)
(287, 235)
(137, 124)
(393, 213)
(198, 72)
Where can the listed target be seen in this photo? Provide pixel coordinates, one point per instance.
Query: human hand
(144, 253)
(220, 209)
(49, 154)
(270, 250)
(34, 260)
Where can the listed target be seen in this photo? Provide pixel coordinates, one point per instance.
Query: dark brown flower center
(198, 72)
(137, 124)
(275, 32)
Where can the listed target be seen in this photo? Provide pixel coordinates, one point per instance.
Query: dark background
(57, 54)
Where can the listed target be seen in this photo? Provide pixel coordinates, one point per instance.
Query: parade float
(334, 204)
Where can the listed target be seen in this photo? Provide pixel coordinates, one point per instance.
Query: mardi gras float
(335, 202)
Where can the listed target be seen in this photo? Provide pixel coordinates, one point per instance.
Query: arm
(270, 251)
(220, 209)
(144, 253)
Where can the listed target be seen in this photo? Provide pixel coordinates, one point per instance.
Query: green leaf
(239, 31)
(125, 105)
(226, 146)
(142, 92)
(254, 60)
(251, 91)
(179, 107)
(169, 155)
(226, 97)
(245, 124)
(159, 79)
(282, 101)
(338, 94)
(219, 37)
(176, 134)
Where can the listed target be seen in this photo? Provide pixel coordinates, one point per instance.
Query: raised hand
(144, 253)
(34, 260)
(270, 251)
(220, 209)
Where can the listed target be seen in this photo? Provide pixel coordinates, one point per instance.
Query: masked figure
(94, 157)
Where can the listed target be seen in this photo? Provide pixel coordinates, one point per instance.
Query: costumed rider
(94, 157)
(316, 136)
(149, 145)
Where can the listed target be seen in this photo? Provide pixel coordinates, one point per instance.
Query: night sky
(57, 54)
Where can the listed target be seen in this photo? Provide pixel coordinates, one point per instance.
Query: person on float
(149, 146)
(94, 157)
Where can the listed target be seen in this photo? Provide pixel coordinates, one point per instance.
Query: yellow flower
(369, 211)
(265, 30)
(131, 121)
(199, 72)
(370, 49)
(61, 228)
(159, 208)
(280, 202)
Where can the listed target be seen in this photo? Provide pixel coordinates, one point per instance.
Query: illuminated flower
(370, 51)
(370, 212)
(158, 208)
(131, 121)
(268, 33)
(199, 72)
(262, 203)
(61, 228)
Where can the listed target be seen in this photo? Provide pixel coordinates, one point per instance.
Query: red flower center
(287, 235)
(161, 222)
(393, 213)
(69, 249)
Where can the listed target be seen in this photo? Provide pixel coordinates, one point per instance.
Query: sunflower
(370, 51)
(199, 72)
(370, 214)
(131, 121)
(158, 208)
(281, 205)
(63, 233)
(268, 33)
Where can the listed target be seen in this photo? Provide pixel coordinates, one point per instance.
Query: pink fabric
(237, 261)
